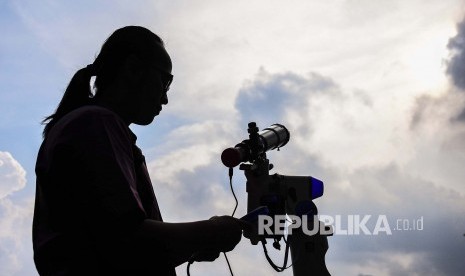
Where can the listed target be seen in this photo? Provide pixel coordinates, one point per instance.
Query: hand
(251, 233)
(228, 232)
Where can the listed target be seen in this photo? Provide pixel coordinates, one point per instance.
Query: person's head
(132, 75)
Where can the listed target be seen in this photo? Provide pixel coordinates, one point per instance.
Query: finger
(245, 225)
(212, 256)
(206, 256)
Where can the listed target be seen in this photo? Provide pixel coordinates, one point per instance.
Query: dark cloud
(418, 115)
(456, 70)
(203, 188)
(446, 110)
(266, 99)
(428, 107)
(456, 65)
(461, 116)
(435, 250)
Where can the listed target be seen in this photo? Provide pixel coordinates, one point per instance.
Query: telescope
(270, 138)
(281, 195)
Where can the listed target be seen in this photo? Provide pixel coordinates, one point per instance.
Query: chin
(144, 121)
(146, 118)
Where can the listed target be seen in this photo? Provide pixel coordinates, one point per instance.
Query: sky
(372, 92)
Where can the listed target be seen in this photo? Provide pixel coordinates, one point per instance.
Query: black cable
(227, 261)
(188, 267)
(232, 190)
(270, 261)
(231, 172)
(235, 207)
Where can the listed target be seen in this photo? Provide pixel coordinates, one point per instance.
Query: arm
(182, 240)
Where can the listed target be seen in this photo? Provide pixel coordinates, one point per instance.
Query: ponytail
(77, 94)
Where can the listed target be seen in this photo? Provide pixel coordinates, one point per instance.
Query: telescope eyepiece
(231, 157)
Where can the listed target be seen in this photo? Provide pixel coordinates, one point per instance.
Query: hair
(123, 42)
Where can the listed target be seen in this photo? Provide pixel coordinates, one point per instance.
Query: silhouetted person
(96, 212)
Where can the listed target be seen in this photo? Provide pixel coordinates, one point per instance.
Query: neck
(112, 99)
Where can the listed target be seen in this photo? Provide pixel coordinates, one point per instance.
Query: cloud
(399, 195)
(187, 171)
(339, 136)
(337, 125)
(456, 64)
(267, 98)
(15, 218)
(12, 175)
(192, 184)
(15, 235)
(317, 110)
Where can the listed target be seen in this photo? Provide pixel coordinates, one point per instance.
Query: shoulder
(90, 123)
(92, 113)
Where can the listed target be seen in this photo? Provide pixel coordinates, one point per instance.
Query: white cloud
(15, 218)
(188, 147)
(15, 236)
(12, 175)
(215, 51)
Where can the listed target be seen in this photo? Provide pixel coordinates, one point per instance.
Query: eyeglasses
(166, 78)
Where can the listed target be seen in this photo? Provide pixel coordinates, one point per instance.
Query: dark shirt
(92, 192)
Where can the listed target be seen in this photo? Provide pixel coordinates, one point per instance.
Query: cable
(227, 261)
(273, 265)
(231, 172)
(232, 190)
(188, 268)
(232, 215)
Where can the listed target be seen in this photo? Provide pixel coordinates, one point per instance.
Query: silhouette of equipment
(277, 194)
(275, 136)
